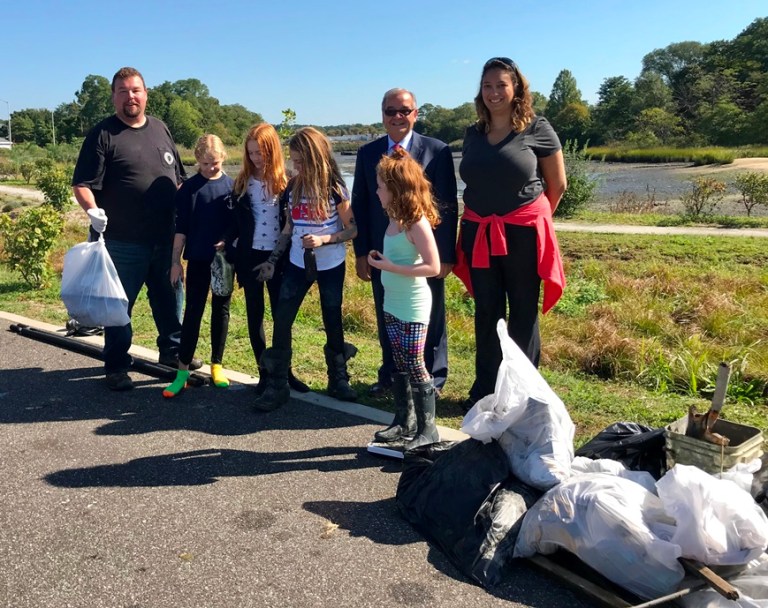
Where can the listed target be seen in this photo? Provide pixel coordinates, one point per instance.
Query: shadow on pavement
(202, 467)
(379, 521)
(80, 394)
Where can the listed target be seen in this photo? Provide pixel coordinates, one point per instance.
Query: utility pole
(53, 128)
(7, 103)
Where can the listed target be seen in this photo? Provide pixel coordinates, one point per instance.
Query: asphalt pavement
(128, 500)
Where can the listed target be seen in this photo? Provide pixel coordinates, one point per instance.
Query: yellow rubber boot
(219, 379)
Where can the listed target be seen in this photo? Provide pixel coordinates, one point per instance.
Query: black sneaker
(173, 362)
(119, 381)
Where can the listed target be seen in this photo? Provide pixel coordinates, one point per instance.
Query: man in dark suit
(399, 114)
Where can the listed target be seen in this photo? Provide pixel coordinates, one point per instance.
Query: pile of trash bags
(516, 488)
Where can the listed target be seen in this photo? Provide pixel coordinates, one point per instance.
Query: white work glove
(98, 219)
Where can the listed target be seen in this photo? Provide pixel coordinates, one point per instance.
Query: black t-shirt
(133, 173)
(500, 178)
(203, 214)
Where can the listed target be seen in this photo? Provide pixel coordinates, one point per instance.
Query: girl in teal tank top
(410, 256)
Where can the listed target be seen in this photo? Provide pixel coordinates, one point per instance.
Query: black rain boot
(424, 404)
(262, 385)
(403, 427)
(296, 384)
(275, 362)
(338, 378)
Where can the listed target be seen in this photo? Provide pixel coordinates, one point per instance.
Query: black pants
(436, 346)
(254, 300)
(509, 290)
(198, 284)
(294, 288)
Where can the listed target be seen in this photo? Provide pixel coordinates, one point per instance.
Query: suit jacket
(372, 221)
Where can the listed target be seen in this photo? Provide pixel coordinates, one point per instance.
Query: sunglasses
(391, 112)
(496, 60)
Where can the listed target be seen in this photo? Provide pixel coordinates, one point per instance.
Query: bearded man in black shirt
(126, 176)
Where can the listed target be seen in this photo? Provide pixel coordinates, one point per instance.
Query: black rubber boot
(262, 385)
(424, 404)
(403, 427)
(338, 378)
(296, 384)
(275, 363)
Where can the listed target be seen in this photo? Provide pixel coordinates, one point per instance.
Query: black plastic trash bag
(636, 446)
(463, 498)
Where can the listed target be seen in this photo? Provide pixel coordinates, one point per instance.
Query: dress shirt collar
(405, 143)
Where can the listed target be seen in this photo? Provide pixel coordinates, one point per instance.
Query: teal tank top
(407, 298)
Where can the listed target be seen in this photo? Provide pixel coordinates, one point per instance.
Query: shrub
(753, 188)
(8, 207)
(581, 186)
(704, 197)
(28, 240)
(630, 202)
(28, 170)
(7, 168)
(55, 184)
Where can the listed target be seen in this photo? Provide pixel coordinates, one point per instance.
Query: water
(613, 179)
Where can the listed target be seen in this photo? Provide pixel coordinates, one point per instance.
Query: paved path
(22, 192)
(695, 230)
(127, 500)
(559, 226)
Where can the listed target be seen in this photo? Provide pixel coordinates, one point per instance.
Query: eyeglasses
(391, 112)
(505, 60)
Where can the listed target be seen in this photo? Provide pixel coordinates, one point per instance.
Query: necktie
(395, 147)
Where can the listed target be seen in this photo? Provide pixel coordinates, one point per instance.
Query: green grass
(637, 336)
(662, 219)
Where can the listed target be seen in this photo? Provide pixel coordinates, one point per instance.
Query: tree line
(687, 94)
(186, 106)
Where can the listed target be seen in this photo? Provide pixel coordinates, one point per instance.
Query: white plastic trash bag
(527, 418)
(610, 523)
(742, 473)
(90, 287)
(582, 465)
(717, 522)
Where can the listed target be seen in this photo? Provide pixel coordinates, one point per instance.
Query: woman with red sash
(512, 165)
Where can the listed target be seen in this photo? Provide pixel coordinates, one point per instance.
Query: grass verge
(638, 335)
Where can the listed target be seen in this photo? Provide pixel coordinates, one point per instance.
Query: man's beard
(132, 110)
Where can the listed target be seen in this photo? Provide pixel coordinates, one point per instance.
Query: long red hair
(266, 137)
(411, 191)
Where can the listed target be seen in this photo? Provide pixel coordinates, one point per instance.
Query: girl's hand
(378, 260)
(177, 274)
(310, 241)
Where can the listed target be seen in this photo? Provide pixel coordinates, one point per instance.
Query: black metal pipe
(150, 368)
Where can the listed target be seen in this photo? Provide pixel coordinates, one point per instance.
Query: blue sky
(332, 61)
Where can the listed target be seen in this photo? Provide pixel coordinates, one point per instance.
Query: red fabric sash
(538, 215)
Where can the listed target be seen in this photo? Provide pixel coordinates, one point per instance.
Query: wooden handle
(719, 584)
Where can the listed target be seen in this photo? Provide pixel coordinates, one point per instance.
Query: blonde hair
(521, 113)
(274, 176)
(210, 145)
(319, 177)
(411, 191)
